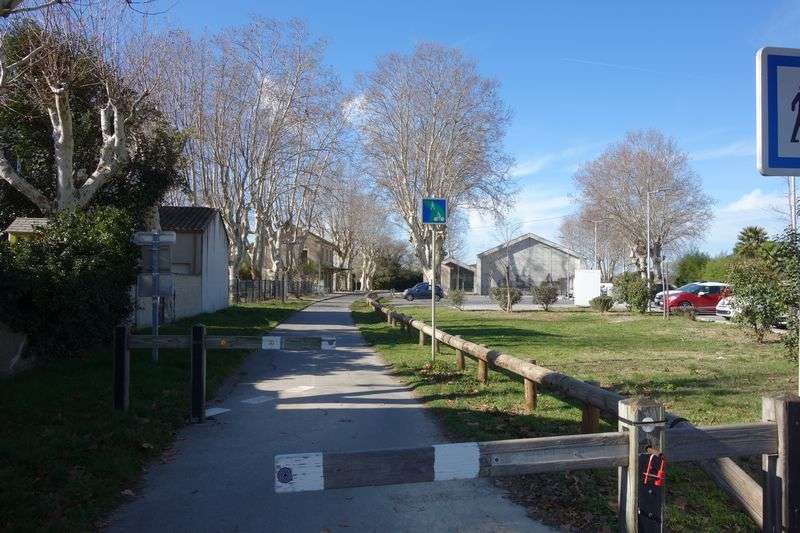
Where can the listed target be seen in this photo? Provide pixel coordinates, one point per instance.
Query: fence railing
(640, 449)
(259, 290)
(197, 342)
(595, 401)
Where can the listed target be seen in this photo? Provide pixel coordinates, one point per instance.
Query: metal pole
(793, 221)
(433, 294)
(648, 249)
(156, 286)
(665, 286)
(197, 364)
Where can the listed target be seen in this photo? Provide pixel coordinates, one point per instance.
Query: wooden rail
(511, 457)
(721, 469)
(235, 342)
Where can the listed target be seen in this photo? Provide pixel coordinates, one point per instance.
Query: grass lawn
(708, 373)
(66, 456)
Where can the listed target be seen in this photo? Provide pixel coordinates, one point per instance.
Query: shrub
(757, 289)
(457, 297)
(602, 303)
(546, 294)
(690, 267)
(69, 285)
(631, 289)
(719, 269)
(501, 295)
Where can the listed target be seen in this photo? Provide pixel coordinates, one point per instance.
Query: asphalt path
(219, 475)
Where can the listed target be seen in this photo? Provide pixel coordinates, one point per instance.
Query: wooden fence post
(459, 357)
(483, 371)
(590, 417)
(198, 366)
(641, 498)
(530, 392)
(122, 368)
(421, 338)
(782, 471)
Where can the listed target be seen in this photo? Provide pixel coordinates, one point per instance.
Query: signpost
(434, 213)
(150, 284)
(778, 122)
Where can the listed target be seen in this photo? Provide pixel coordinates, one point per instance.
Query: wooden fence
(759, 503)
(197, 342)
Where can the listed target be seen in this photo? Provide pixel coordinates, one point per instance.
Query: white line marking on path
(301, 388)
(298, 472)
(259, 399)
(216, 411)
(456, 461)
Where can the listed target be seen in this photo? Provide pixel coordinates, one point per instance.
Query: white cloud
(756, 201)
(755, 208)
(572, 156)
(353, 109)
(536, 212)
(532, 166)
(743, 148)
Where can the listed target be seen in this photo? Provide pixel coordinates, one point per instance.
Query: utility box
(587, 286)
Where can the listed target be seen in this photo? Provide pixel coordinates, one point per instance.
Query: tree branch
(10, 176)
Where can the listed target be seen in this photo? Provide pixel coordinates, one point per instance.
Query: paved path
(220, 476)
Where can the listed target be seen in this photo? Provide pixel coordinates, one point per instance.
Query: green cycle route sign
(434, 211)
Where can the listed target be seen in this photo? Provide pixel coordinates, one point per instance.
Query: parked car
(422, 291)
(659, 289)
(726, 308)
(701, 297)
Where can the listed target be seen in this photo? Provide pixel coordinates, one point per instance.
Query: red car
(701, 297)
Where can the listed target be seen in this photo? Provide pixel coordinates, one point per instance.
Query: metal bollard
(198, 378)
(122, 368)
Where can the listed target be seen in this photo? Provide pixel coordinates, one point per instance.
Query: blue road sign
(778, 116)
(434, 211)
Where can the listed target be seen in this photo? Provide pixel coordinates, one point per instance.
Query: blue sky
(577, 76)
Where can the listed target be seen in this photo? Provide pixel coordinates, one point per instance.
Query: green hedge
(67, 286)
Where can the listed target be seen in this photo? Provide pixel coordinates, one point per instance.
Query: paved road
(220, 476)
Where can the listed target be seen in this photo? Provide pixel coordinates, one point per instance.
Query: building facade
(530, 259)
(455, 275)
(199, 265)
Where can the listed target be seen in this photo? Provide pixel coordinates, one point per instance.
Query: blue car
(422, 291)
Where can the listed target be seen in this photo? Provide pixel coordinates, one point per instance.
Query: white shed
(199, 264)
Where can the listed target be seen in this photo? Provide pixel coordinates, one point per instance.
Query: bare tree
(19, 7)
(615, 187)
(507, 229)
(603, 252)
(342, 220)
(432, 126)
(265, 123)
(59, 48)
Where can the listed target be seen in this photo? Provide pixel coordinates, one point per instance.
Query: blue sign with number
(434, 211)
(778, 117)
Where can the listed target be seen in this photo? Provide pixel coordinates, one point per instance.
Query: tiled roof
(25, 225)
(178, 218)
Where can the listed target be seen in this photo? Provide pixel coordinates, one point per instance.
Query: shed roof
(454, 261)
(183, 218)
(26, 224)
(534, 237)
